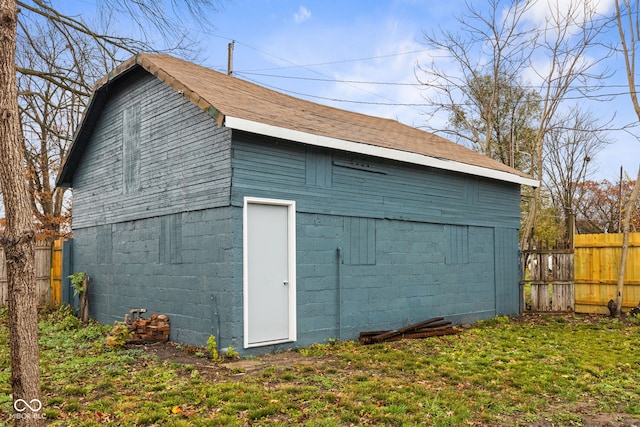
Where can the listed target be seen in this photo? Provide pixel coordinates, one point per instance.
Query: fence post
(67, 269)
(55, 278)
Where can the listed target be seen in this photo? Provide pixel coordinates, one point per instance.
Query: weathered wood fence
(597, 258)
(581, 276)
(547, 278)
(48, 265)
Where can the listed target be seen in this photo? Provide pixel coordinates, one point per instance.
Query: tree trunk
(18, 237)
(84, 300)
(625, 242)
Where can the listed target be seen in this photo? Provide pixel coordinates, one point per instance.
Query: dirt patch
(597, 420)
(228, 369)
(611, 420)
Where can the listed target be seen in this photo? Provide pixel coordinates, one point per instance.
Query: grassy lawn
(530, 371)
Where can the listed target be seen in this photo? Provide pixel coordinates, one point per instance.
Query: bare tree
(599, 206)
(489, 52)
(510, 111)
(569, 148)
(59, 58)
(502, 45)
(566, 40)
(50, 111)
(628, 22)
(59, 67)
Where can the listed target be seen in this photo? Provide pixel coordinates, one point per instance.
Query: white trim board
(374, 150)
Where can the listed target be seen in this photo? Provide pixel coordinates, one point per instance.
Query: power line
(330, 80)
(307, 67)
(326, 78)
(294, 65)
(306, 95)
(343, 61)
(367, 82)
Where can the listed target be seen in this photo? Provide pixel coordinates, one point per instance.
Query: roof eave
(374, 150)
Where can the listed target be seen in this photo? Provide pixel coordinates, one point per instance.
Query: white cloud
(303, 14)
(546, 11)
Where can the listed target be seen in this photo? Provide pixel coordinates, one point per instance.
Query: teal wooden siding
(370, 188)
(361, 246)
(457, 244)
(131, 124)
(152, 153)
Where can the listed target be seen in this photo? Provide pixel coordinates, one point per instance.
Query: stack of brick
(157, 328)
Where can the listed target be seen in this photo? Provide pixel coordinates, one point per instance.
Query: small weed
(263, 412)
(230, 353)
(400, 409)
(151, 417)
(72, 405)
(51, 414)
(73, 390)
(102, 405)
(564, 419)
(314, 350)
(212, 346)
(118, 336)
(495, 321)
(288, 376)
(633, 408)
(55, 401)
(635, 319)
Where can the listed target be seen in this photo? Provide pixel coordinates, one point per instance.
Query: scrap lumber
(428, 328)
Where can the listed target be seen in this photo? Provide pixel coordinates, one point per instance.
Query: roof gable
(243, 105)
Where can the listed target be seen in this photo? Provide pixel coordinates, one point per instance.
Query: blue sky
(318, 50)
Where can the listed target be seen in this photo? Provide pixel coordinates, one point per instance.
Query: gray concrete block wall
(408, 283)
(195, 293)
(202, 294)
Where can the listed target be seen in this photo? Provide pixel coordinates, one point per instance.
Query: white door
(269, 271)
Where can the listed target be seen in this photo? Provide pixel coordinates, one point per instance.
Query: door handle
(286, 282)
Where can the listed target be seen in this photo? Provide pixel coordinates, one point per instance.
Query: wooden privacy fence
(547, 278)
(596, 271)
(48, 274)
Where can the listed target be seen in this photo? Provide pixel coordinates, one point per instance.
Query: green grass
(501, 372)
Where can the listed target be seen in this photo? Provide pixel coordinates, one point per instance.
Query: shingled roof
(242, 105)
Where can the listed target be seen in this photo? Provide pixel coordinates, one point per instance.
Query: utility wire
(344, 61)
(330, 80)
(334, 99)
(353, 83)
(308, 67)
